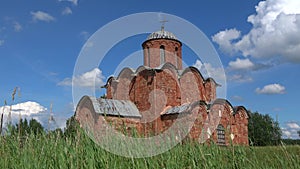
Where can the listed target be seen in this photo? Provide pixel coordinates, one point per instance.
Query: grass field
(49, 151)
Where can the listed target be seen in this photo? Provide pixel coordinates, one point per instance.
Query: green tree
(298, 133)
(23, 128)
(57, 133)
(263, 130)
(72, 127)
(35, 127)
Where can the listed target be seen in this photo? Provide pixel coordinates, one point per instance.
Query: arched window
(220, 135)
(176, 56)
(162, 54)
(148, 50)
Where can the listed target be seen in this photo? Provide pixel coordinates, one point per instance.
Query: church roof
(110, 107)
(161, 67)
(185, 108)
(162, 34)
(177, 109)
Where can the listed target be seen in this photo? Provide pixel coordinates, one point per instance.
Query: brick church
(150, 99)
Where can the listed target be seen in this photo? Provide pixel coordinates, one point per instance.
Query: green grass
(46, 151)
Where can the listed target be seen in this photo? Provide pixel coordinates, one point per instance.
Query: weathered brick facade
(166, 95)
(172, 50)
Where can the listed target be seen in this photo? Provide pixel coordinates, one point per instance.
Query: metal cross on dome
(163, 24)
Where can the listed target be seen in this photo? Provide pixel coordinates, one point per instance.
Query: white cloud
(290, 130)
(275, 32)
(277, 109)
(240, 70)
(41, 16)
(17, 26)
(72, 107)
(237, 98)
(85, 35)
(207, 70)
(93, 78)
(271, 89)
(286, 133)
(225, 38)
(198, 64)
(52, 74)
(293, 125)
(75, 2)
(240, 64)
(240, 78)
(26, 108)
(1, 42)
(66, 11)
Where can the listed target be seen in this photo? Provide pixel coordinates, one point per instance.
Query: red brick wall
(148, 81)
(123, 86)
(200, 113)
(240, 127)
(140, 89)
(191, 85)
(110, 86)
(220, 113)
(170, 56)
(167, 81)
(210, 88)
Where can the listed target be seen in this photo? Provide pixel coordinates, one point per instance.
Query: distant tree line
(33, 127)
(291, 141)
(263, 130)
(24, 128)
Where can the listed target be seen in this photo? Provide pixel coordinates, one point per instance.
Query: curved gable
(241, 109)
(81, 112)
(109, 81)
(140, 69)
(194, 70)
(212, 80)
(192, 88)
(125, 72)
(171, 68)
(224, 102)
(124, 80)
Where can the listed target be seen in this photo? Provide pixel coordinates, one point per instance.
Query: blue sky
(258, 43)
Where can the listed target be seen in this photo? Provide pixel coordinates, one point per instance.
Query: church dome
(162, 34)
